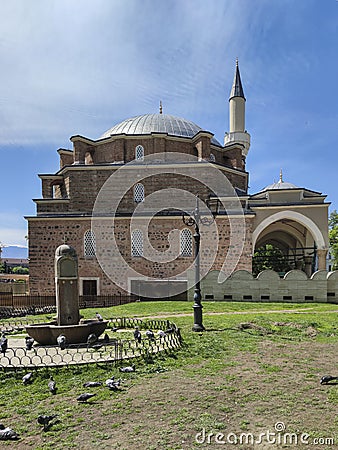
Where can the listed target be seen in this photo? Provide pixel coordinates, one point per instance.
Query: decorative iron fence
(17, 356)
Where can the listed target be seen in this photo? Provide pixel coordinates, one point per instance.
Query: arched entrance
(295, 237)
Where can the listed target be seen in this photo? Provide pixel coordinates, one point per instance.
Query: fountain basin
(47, 333)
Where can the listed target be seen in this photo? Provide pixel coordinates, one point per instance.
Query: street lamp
(194, 220)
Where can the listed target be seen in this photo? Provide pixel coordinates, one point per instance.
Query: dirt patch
(252, 393)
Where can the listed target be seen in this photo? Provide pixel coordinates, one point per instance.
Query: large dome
(156, 123)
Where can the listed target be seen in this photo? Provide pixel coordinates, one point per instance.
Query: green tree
(2, 267)
(20, 270)
(333, 237)
(269, 257)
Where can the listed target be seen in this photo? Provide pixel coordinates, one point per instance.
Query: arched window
(139, 153)
(212, 157)
(89, 243)
(186, 242)
(138, 193)
(136, 243)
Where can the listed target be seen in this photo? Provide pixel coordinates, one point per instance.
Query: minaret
(237, 132)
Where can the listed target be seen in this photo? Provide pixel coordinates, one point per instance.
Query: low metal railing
(22, 305)
(17, 356)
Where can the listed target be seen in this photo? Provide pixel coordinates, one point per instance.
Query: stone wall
(46, 234)
(295, 286)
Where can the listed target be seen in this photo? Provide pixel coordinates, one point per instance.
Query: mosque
(101, 191)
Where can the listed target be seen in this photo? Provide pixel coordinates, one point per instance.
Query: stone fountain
(68, 322)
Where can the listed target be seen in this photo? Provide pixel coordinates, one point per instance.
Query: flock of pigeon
(7, 433)
(46, 421)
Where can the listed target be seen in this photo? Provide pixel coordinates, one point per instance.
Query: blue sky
(79, 67)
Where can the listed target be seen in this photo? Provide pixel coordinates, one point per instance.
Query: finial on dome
(161, 109)
(237, 61)
(281, 176)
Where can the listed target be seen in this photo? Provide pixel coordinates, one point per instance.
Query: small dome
(156, 123)
(65, 250)
(280, 184)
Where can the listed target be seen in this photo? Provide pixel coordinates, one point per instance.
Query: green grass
(205, 371)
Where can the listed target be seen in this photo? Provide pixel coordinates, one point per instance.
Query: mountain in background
(14, 251)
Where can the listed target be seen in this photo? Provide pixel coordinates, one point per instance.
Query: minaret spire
(237, 88)
(161, 109)
(237, 133)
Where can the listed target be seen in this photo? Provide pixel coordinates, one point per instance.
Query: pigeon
(106, 338)
(169, 330)
(44, 420)
(92, 338)
(150, 335)
(92, 384)
(99, 317)
(3, 343)
(7, 434)
(84, 397)
(161, 333)
(327, 378)
(26, 379)
(128, 369)
(52, 386)
(112, 384)
(137, 335)
(29, 342)
(61, 341)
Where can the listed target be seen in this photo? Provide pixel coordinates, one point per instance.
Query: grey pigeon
(84, 397)
(92, 384)
(99, 317)
(26, 379)
(44, 420)
(137, 335)
(327, 378)
(92, 338)
(29, 342)
(128, 369)
(161, 333)
(150, 335)
(61, 341)
(52, 386)
(7, 434)
(112, 384)
(3, 343)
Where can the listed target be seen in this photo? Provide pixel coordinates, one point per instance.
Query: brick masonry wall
(46, 235)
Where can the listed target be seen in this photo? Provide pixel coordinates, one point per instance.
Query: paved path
(213, 313)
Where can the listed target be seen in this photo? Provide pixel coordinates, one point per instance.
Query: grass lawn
(254, 372)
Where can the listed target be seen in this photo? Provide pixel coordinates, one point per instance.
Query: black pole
(198, 319)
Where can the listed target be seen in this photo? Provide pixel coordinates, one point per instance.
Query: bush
(20, 270)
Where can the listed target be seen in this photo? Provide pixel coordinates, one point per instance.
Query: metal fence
(17, 356)
(21, 305)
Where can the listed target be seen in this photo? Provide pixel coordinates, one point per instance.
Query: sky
(73, 67)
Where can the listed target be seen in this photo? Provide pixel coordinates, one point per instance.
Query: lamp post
(194, 220)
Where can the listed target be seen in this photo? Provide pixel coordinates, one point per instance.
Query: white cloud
(13, 229)
(13, 236)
